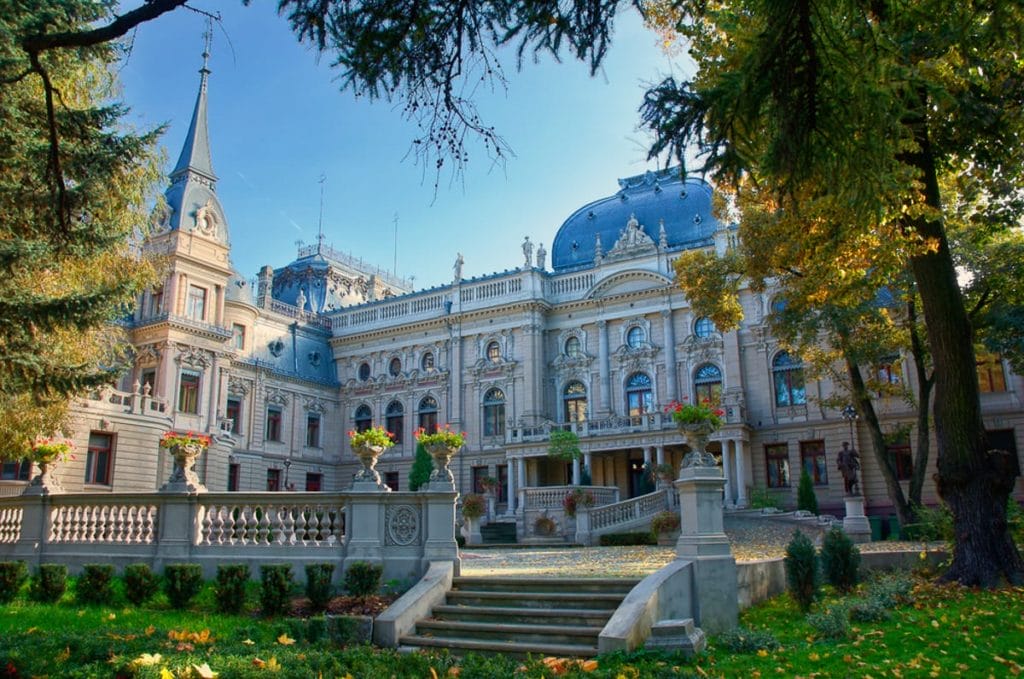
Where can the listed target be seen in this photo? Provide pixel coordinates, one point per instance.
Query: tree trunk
(924, 395)
(974, 483)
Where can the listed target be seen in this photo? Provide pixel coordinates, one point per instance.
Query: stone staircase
(519, 616)
(499, 533)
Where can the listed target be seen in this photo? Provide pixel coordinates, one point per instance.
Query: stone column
(671, 376)
(455, 383)
(510, 509)
(521, 473)
(727, 455)
(364, 524)
(660, 454)
(220, 305)
(176, 529)
(533, 368)
(214, 394)
(647, 455)
(741, 474)
(702, 540)
(588, 462)
(604, 371)
(170, 296)
(576, 472)
(166, 380)
(181, 299)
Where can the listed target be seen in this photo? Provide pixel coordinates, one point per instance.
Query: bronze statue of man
(848, 463)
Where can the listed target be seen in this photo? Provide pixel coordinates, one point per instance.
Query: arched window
(704, 327)
(575, 398)
(427, 361)
(394, 419)
(494, 352)
(428, 414)
(494, 412)
(395, 367)
(363, 418)
(364, 372)
(707, 384)
(636, 337)
(639, 398)
(573, 348)
(788, 374)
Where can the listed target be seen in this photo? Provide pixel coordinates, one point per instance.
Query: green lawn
(939, 632)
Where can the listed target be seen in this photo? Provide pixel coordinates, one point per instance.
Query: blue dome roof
(655, 197)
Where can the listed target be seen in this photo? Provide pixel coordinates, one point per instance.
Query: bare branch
(115, 29)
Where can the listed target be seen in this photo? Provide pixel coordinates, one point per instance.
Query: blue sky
(278, 122)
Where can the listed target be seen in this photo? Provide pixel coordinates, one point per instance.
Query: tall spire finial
(320, 225)
(195, 153)
(208, 38)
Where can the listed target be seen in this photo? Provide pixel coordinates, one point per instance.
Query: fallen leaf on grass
(203, 671)
(285, 640)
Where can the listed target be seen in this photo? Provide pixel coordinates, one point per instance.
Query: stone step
(461, 646)
(576, 585)
(509, 632)
(536, 616)
(530, 599)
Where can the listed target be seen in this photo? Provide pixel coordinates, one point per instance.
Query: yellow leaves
(112, 616)
(285, 640)
(814, 657)
(203, 637)
(270, 665)
(166, 673)
(559, 666)
(150, 630)
(762, 653)
(935, 623)
(249, 642)
(203, 671)
(147, 659)
(64, 655)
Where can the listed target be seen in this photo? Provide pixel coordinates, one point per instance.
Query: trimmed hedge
(13, 575)
(229, 587)
(49, 583)
(275, 588)
(94, 585)
(363, 578)
(318, 584)
(627, 539)
(182, 582)
(140, 583)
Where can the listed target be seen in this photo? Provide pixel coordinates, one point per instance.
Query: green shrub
(13, 575)
(422, 466)
(229, 587)
(564, 445)
(140, 583)
(49, 583)
(891, 589)
(627, 539)
(760, 498)
(576, 499)
(182, 582)
(833, 623)
(868, 610)
(460, 540)
(318, 584)
(840, 560)
(933, 524)
(801, 564)
(363, 579)
(665, 522)
(94, 584)
(742, 640)
(275, 588)
(805, 497)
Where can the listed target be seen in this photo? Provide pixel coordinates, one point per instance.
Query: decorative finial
(208, 39)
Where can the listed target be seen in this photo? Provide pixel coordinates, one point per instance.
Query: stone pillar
(604, 370)
(660, 454)
(588, 462)
(176, 530)
(521, 473)
(169, 302)
(220, 305)
(583, 536)
(214, 394)
(576, 472)
(855, 523)
(364, 524)
(671, 376)
(741, 474)
(439, 529)
(181, 299)
(727, 455)
(647, 455)
(455, 382)
(166, 381)
(510, 508)
(35, 530)
(702, 540)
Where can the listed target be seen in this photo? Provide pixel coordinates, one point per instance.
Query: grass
(943, 631)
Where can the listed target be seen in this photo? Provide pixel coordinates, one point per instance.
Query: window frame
(236, 416)
(643, 395)
(16, 470)
(573, 347)
(575, 403)
(274, 429)
(704, 327)
(363, 371)
(426, 417)
(99, 459)
(494, 412)
(195, 301)
(234, 476)
(313, 429)
(189, 389)
(314, 482)
(362, 417)
(238, 333)
(395, 367)
(707, 387)
(394, 421)
(813, 452)
(788, 374)
(273, 479)
(636, 337)
(776, 455)
(493, 352)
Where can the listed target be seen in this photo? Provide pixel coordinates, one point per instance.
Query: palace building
(598, 340)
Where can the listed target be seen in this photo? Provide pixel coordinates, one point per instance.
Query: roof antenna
(320, 234)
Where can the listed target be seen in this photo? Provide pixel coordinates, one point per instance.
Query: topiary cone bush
(802, 577)
(419, 475)
(275, 588)
(840, 560)
(13, 575)
(805, 497)
(318, 584)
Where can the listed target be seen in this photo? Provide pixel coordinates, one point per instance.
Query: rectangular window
(776, 456)
(273, 423)
(238, 335)
(196, 309)
(990, 374)
(15, 470)
(274, 479)
(234, 473)
(148, 376)
(314, 482)
(99, 459)
(902, 459)
(188, 392)
(479, 474)
(812, 457)
(313, 430)
(391, 480)
(156, 301)
(234, 413)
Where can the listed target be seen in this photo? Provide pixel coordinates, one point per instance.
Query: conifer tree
(422, 466)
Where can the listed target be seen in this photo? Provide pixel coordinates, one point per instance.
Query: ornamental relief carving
(315, 405)
(276, 396)
(238, 386)
(402, 526)
(193, 356)
(147, 355)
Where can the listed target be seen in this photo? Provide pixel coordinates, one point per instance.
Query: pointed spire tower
(192, 195)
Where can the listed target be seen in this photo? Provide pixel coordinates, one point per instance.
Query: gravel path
(752, 538)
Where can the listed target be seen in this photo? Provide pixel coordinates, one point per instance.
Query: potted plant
(665, 527)
(442, 445)
(576, 499)
(368, 445)
(473, 507)
(47, 452)
(544, 526)
(185, 448)
(696, 421)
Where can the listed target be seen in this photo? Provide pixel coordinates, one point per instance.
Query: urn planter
(184, 478)
(442, 454)
(368, 456)
(46, 482)
(696, 435)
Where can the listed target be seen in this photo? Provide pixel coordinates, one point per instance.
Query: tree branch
(115, 29)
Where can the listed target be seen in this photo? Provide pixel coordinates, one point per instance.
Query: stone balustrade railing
(551, 497)
(616, 424)
(622, 515)
(139, 402)
(402, 531)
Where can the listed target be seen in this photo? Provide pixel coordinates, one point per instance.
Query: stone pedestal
(677, 636)
(855, 523)
(184, 478)
(46, 483)
(702, 540)
(473, 536)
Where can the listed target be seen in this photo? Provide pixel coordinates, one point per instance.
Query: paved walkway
(752, 539)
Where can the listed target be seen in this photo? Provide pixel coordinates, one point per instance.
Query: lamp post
(287, 466)
(849, 414)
